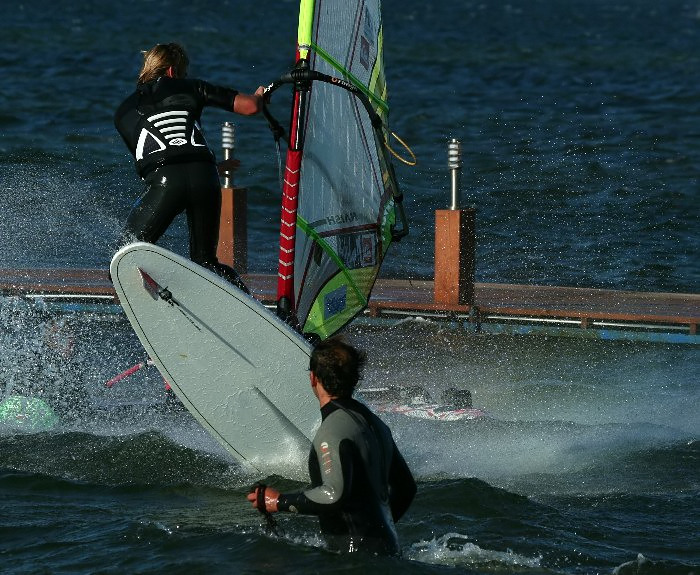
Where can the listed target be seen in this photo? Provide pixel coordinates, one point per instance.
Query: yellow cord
(412, 162)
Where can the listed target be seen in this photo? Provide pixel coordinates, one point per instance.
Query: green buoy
(19, 412)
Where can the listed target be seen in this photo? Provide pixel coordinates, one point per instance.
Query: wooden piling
(455, 245)
(232, 249)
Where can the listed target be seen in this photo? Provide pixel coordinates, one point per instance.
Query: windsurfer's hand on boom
(249, 104)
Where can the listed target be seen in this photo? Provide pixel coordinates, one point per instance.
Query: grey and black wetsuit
(160, 124)
(361, 484)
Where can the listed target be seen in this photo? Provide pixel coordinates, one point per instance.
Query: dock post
(233, 224)
(455, 243)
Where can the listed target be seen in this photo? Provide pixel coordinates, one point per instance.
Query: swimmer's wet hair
(338, 365)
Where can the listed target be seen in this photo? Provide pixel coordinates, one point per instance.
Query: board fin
(155, 290)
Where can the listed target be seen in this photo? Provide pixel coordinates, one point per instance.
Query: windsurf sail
(341, 204)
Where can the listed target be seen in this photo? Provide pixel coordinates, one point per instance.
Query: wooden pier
(521, 307)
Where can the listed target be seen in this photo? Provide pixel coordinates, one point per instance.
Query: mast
(286, 305)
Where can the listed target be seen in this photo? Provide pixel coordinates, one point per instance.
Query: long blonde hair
(158, 59)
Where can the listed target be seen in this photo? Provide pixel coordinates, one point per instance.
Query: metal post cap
(228, 136)
(454, 154)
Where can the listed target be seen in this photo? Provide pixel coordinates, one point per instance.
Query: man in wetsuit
(160, 124)
(360, 482)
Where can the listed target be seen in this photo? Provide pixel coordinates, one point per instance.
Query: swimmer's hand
(262, 496)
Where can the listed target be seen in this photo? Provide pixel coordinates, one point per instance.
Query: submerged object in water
(415, 401)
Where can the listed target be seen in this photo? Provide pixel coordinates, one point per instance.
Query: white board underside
(236, 367)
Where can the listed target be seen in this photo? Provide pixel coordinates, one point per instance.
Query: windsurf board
(239, 369)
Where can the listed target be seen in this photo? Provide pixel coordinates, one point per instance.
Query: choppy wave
(175, 499)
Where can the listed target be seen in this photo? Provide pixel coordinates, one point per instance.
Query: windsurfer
(360, 482)
(160, 124)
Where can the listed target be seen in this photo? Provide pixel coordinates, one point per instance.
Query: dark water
(578, 122)
(581, 144)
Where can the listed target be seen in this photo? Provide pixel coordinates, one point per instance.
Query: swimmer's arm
(336, 473)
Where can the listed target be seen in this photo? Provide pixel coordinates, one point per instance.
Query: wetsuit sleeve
(402, 485)
(337, 469)
(217, 96)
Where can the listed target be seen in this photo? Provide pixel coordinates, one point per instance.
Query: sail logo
(367, 250)
(367, 40)
(335, 302)
(336, 219)
(364, 53)
(358, 250)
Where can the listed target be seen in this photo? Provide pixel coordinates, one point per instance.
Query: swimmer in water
(360, 482)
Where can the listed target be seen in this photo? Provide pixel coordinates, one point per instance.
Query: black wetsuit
(361, 483)
(160, 124)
